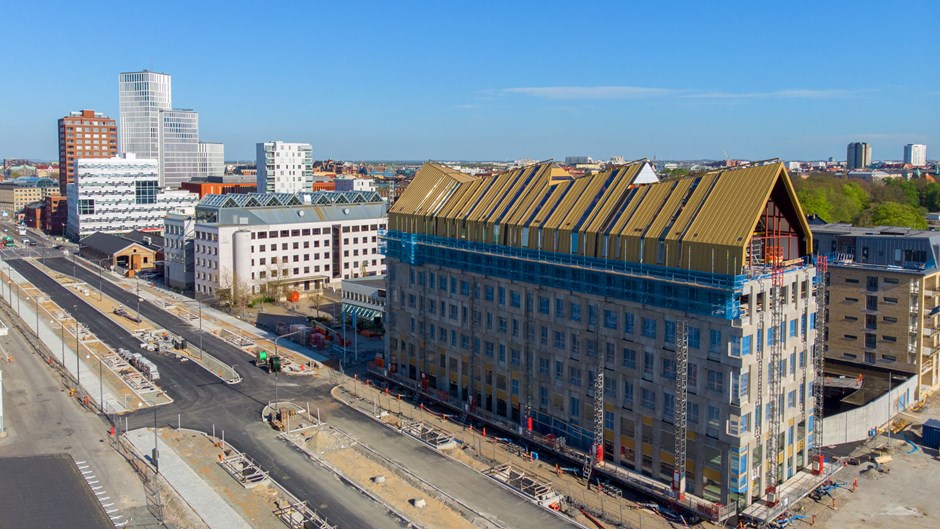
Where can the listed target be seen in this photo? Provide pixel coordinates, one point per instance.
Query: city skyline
(424, 81)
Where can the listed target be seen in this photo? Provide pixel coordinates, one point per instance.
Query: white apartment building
(211, 159)
(260, 242)
(179, 146)
(915, 154)
(142, 96)
(117, 195)
(178, 233)
(284, 167)
(354, 184)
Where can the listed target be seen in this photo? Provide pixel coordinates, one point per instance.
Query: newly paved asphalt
(202, 401)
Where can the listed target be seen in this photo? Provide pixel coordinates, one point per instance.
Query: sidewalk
(207, 503)
(51, 333)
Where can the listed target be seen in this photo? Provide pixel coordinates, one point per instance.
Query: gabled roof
(702, 222)
(108, 243)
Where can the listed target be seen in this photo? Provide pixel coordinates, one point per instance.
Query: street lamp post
(276, 354)
(78, 367)
(156, 453)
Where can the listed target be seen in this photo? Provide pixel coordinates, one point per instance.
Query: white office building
(276, 243)
(211, 159)
(284, 167)
(179, 146)
(142, 96)
(118, 195)
(354, 184)
(178, 264)
(915, 154)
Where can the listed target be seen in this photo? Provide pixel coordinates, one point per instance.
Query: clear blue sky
(492, 80)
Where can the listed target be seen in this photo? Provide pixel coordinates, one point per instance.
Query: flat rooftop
(47, 491)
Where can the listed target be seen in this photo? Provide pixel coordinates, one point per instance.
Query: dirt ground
(342, 455)
(905, 496)
(255, 504)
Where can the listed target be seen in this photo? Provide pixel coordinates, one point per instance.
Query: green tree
(893, 214)
(815, 202)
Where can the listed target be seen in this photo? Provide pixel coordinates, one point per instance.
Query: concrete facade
(294, 242)
(179, 258)
(284, 167)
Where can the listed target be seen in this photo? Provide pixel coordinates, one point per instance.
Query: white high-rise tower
(915, 154)
(284, 167)
(142, 96)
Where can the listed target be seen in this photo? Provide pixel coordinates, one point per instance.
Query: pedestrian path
(204, 501)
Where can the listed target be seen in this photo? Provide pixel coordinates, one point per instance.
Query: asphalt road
(201, 401)
(40, 418)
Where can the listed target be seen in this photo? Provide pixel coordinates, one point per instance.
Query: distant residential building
(54, 214)
(211, 159)
(858, 155)
(871, 176)
(276, 243)
(575, 160)
(119, 195)
(884, 298)
(179, 258)
(284, 167)
(179, 147)
(17, 193)
(915, 154)
(354, 184)
(32, 215)
(142, 96)
(84, 134)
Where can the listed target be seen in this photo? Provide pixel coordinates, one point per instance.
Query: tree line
(892, 202)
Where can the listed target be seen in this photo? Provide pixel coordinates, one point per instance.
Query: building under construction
(675, 319)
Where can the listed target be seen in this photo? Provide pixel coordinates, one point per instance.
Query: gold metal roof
(702, 222)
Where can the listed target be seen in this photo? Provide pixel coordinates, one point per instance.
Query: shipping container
(932, 434)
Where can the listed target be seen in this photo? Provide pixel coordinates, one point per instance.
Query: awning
(361, 312)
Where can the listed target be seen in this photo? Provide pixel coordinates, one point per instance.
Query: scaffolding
(774, 412)
(529, 330)
(822, 303)
(682, 388)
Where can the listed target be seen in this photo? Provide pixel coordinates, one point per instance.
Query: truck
(8, 241)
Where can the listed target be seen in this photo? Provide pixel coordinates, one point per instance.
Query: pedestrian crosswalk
(101, 494)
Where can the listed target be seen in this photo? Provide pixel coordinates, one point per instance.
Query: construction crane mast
(597, 448)
(682, 391)
(822, 300)
(474, 327)
(774, 380)
(529, 330)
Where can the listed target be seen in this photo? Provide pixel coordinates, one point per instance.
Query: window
(502, 295)
(714, 380)
(628, 394)
(669, 406)
(629, 359)
(649, 399)
(574, 375)
(714, 341)
(714, 418)
(695, 337)
(649, 327)
(559, 308)
(86, 206)
(559, 340)
(610, 319)
(574, 311)
(628, 323)
(543, 366)
(648, 360)
(515, 299)
(745, 345)
(669, 369)
(575, 405)
(488, 293)
(792, 328)
(871, 302)
(670, 333)
(544, 305)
